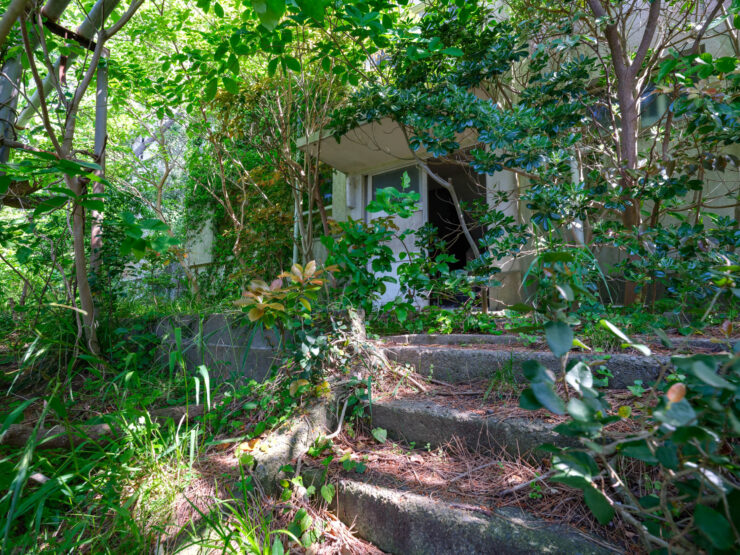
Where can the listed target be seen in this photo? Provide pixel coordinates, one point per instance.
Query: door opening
(470, 188)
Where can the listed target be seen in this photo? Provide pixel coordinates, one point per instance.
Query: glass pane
(393, 179)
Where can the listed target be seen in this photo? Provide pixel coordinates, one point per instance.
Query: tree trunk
(628, 145)
(10, 16)
(83, 284)
(101, 137)
(87, 29)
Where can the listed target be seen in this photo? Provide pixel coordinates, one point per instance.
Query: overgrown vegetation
(169, 161)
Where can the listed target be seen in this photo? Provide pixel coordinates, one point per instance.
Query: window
(394, 179)
(652, 106)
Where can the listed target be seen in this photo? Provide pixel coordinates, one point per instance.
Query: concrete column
(511, 275)
(339, 204)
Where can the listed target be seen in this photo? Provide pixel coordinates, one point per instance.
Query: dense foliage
(170, 164)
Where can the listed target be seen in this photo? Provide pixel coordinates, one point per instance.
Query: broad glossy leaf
(559, 337)
(667, 455)
(313, 8)
(676, 414)
(528, 401)
(50, 204)
(704, 368)
(536, 372)
(579, 410)
(579, 376)
(714, 526)
(210, 90)
(269, 12)
(545, 394)
(639, 450)
(599, 505)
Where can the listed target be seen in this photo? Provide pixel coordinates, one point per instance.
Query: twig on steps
(516, 488)
(406, 375)
(341, 420)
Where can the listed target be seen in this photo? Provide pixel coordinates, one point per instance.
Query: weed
(503, 380)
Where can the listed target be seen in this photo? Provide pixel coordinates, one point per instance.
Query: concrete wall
(231, 348)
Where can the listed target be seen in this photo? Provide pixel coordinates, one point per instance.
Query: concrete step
(680, 343)
(407, 523)
(454, 364)
(427, 422)
(384, 509)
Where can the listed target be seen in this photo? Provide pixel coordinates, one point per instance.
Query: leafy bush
(676, 477)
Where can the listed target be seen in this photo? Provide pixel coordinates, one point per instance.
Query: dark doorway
(442, 214)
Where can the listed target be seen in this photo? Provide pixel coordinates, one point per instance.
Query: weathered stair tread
(425, 421)
(707, 344)
(407, 523)
(461, 365)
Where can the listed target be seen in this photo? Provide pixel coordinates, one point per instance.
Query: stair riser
(466, 365)
(409, 524)
(424, 423)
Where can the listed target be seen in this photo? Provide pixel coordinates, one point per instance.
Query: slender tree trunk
(87, 303)
(10, 16)
(101, 137)
(628, 144)
(91, 24)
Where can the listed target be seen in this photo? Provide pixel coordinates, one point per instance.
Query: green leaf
(453, 51)
(579, 376)
(93, 204)
(23, 254)
(733, 500)
(545, 394)
(272, 66)
(615, 330)
(5, 181)
(380, 434)
(559, 337)
(644, 349)
(667, 455)
(269, 12)
(535, 372)
(599, 505)
(231, 85)
(580, 410)
(714, 526)
(528, 401)
(292, 63)
(663, 337)
(277, 547)
(401, 313)
(676, 414)
(14, 415)
(704, 368)
(726, 64)
(211, 90)
(327, 492)
(639, 450)
(218, 10)
(313, 8)
(50, 204)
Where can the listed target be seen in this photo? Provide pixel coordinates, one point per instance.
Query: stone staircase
(394, 496)
(422, 516)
